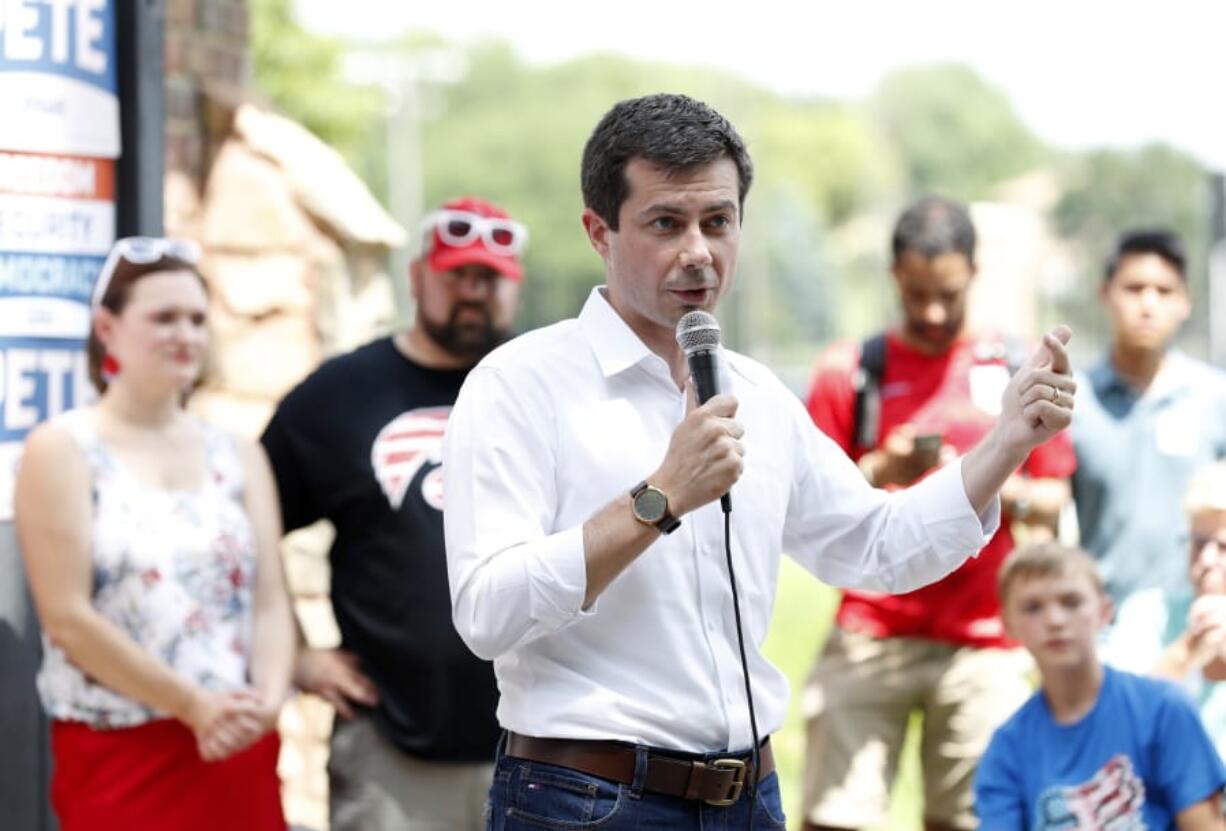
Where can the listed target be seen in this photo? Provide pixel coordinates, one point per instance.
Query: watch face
(650, 505)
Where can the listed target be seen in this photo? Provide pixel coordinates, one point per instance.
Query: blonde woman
(149, 540)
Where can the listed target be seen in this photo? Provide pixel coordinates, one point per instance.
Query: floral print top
(174, 569)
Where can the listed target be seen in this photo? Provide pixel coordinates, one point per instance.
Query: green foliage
(804, 613)
(958, 135)
(516, 135)
(832, 155)
(1109, 190)
(830, 176)
(299, 71)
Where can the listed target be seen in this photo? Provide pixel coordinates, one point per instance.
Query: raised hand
(705, 456)
(1207, 635)
(1038, 402)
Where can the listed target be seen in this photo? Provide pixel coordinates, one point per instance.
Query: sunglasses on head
(142, 251)
(461, 228)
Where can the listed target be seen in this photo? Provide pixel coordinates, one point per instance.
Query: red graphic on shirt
(1111, 800)
(409, 442)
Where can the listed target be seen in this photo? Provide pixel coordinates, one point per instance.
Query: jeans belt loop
(641, 758)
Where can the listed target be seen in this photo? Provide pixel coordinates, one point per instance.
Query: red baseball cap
(470, 231)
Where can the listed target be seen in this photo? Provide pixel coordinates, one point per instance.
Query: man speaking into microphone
(585, 539)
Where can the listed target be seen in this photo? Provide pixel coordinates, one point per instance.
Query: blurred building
(1023, 265)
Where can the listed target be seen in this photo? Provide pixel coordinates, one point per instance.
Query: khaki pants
(857, 703)
(377, 787)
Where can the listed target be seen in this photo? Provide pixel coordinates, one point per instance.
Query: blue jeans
(532, 796)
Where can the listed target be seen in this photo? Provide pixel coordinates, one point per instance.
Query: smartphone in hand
(927, 450)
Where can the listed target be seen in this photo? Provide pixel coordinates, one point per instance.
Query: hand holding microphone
(705, 456)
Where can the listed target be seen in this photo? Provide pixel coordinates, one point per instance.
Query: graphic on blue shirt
(1136, 760)
(1111, 800)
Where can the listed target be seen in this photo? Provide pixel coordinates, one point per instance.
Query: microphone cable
(698, 337)
(755, 754)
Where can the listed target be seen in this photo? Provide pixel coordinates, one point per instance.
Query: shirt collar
(1105, 379)
(613, 342)
(617, 347)
(1171, 377)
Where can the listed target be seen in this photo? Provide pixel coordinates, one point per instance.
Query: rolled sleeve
(948, 516)
(853, 536)
(557, 579)
(513, 577)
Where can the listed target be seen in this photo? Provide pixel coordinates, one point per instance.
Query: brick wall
(206, 44)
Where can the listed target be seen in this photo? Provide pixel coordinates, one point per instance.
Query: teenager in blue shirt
(1094, 748)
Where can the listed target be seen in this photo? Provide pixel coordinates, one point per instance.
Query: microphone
(698, 337)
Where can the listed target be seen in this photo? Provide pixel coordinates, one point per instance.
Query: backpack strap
(867, 384)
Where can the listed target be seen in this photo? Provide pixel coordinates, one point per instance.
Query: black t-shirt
(358, 442)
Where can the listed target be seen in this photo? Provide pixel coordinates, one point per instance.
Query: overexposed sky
(1080, 72)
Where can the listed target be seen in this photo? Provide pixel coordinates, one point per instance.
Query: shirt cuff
(949, 518)
(557, 579)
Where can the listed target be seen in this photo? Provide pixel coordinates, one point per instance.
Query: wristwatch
(650, 506)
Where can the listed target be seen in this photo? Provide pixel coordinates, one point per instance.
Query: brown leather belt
(715, 781)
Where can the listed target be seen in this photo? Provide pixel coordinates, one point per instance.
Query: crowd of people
(576, 640)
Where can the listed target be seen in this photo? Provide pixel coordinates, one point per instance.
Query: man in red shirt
(917, 396)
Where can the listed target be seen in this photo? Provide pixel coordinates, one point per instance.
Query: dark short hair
(675, 132)
(1160, 241)
(934, 226)
(117, 294)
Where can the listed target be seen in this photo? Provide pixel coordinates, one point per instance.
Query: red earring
(110, 367)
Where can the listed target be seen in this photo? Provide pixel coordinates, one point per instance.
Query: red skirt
(151, 776)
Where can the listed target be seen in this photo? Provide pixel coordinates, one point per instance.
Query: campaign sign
(58, 80)
(39, 377)
(57, 221)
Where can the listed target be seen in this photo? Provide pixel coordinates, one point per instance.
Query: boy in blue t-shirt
(1095, 748)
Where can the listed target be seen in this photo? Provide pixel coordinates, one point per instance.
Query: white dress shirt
(553, 426)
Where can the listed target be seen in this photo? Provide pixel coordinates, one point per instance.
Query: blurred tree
(832, 156)
(515, 134)
(957, 134)
(1109, 191)
(300, 72)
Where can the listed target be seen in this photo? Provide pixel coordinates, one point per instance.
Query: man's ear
(597, 231)
(1185, 305)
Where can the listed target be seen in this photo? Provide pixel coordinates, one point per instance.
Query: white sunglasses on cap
(461, 228)
(142, 251)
